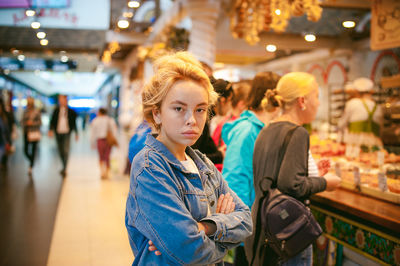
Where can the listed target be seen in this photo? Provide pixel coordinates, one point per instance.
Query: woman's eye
(201, 110)
(178, 109)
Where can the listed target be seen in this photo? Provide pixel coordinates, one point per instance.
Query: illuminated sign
(87, 14)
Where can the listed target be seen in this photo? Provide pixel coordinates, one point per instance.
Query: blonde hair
(168, 70)
(290, 87)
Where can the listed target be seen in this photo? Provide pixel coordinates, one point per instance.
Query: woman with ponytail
(299, 176)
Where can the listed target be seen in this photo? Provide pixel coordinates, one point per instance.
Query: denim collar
(198, 158)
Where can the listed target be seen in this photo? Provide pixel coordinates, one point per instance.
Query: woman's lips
(190, 133)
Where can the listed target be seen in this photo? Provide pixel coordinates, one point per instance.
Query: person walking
(101, 126)
(31, 122)
(5, 137)
(299, 176)
(62, 123)
(179, 210)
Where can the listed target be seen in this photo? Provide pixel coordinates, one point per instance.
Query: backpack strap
(268, 192)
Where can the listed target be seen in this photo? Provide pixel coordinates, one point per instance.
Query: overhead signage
(31, 64)
(385, 24)
(34, 3)
(88, 14)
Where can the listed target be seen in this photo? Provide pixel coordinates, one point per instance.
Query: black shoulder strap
(282, 151)
(268, 191)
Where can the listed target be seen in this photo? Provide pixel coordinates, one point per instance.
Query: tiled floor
(89, 228)
(75, 221)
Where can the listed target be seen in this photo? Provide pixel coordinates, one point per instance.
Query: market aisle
(28, 206)
(89, 228)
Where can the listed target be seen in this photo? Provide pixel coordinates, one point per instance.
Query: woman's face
(182, 115)
(311, 104)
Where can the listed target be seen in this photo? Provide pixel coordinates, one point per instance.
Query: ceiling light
(15, 51)
(349, 24)
(271, 48)
(64, 58)
(277, 12)
(35, 25)
(21, 57)
(310, 37)
(133, 4)
(44, 42)
(123, 23)
(41, 34)
(30, 12)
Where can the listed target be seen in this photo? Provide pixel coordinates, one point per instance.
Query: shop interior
(100, 53)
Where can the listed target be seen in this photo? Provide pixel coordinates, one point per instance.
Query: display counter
(364, 224)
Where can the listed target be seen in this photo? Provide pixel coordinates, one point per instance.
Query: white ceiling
(71, 83)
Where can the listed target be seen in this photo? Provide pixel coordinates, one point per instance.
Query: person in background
(205, 143)
(240, 136)
(240, 93)
(224, 103)
(137, 142)
(362, 117)
(31, 122)
(5, 136)
(8, 121)
(99, 128)
(62, 123)
(297, 95)
(179, 209)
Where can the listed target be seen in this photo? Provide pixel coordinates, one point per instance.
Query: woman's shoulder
(276, 130)
(148, 158)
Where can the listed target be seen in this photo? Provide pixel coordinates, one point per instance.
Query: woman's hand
(225, 204)
(332, 181)
(153, 248)
(323, 167)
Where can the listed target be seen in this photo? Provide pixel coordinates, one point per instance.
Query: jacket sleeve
(73, 121)
(164, 219)
(238, 166)
(293, 178)
(234, 227)
(53, 120)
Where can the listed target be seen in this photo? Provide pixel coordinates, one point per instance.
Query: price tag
(356, 151)
(357, 177)
(382, 181)
(348, 151)
(338, 170)
(381, 158)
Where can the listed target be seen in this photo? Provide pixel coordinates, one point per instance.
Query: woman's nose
(190, 120)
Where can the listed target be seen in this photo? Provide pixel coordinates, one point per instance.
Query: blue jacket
(165, 202)
(138, 139)
(239, 137)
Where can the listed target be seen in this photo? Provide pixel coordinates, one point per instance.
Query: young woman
(98, 137)
(299, 176)
(179, 209)
(31, 122)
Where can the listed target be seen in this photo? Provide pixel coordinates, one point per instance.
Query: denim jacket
(165, 202)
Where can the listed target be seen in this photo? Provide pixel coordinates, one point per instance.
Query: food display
(375, 173)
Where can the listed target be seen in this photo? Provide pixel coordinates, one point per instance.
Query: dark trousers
(63, 148)
(30, 149)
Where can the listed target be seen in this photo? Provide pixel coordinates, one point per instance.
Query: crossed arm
(225, 205)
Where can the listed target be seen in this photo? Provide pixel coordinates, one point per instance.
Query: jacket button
(212, 203)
